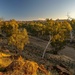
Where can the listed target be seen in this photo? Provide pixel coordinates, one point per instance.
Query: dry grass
(4, 55)
(21, 67)
(4, 60)
(33, 52)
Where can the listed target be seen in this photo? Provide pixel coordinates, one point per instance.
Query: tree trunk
(71, 36)
(46, 47)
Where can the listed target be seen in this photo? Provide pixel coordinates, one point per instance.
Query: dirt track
(38, 42)
(68, 51)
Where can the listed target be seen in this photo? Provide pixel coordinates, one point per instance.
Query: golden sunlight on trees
(19, 39)
(26, 67)
(14, 24)
(58, 30)
(16, 36)
(73, 24)
(8, 27)
(59, 34)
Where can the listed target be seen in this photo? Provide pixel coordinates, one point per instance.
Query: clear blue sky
(36, 9)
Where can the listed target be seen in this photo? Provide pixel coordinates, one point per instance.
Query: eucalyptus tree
(59, 32)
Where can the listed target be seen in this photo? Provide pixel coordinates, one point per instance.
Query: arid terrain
(34, 50)
(68, 51)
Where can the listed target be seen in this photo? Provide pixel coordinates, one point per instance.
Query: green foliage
(35, 28)
(16, 37)
(59, 31)
(8, 27)
(72, 22)
(19, 39)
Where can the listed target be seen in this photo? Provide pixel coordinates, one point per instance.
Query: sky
(36, 9)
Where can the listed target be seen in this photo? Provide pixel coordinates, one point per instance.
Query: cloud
(41, 18)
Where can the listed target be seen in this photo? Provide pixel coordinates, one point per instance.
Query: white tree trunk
(46, 47)
(71, 36)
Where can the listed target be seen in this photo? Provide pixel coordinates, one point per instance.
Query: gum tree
(59, 32)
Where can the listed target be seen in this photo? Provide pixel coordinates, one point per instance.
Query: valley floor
(68, 51)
